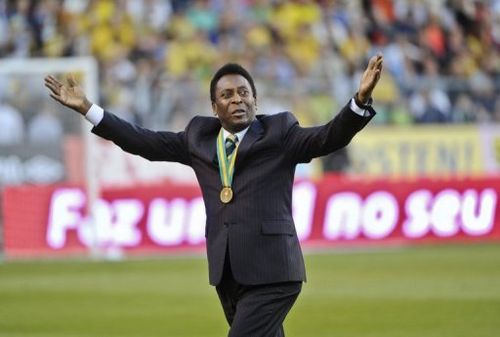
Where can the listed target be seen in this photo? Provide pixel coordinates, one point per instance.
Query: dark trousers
(256, 310)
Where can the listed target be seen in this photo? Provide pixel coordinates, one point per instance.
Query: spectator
(45, 127)
(11, 125)
(441, 57)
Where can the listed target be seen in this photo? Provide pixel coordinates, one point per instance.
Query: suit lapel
(205, 144)
(253, 134)
(213, 153)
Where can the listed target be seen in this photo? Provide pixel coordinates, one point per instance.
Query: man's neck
(239, 134)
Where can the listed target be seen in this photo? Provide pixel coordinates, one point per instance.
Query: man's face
(234, 102)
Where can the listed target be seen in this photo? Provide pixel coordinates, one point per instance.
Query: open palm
(69, 94)
(370, 77)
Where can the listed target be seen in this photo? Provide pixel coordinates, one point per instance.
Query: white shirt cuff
(95, 114)
(359, 111)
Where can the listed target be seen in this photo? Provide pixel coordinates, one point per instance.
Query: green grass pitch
(431, 291)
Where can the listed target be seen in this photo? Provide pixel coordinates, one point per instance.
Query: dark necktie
(230, 144)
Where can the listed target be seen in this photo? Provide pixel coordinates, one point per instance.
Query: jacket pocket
(278, 227)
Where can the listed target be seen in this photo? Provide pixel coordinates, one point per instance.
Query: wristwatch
(362, 105)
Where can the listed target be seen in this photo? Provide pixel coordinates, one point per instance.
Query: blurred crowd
(156, 57)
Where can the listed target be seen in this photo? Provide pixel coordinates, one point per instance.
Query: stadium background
(436, 138)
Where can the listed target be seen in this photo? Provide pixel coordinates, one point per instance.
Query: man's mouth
(239, 112)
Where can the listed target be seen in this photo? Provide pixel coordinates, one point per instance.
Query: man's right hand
(69, 94)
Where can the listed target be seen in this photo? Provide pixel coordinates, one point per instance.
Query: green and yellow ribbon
(226, 165)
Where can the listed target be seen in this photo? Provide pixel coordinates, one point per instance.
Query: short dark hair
(231, 69)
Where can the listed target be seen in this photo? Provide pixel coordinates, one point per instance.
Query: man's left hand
(370, 78)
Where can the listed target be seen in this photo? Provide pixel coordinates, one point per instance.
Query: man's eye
(244, 93)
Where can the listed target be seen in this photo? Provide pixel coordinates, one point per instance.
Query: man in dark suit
(245, 165)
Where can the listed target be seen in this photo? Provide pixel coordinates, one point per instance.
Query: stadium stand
(156, 57)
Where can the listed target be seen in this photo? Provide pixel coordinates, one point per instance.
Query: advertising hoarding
(332, 212)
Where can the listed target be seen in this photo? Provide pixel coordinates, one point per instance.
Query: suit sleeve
(152, 145)
(303, 144)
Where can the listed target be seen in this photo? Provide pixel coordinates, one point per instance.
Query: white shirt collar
(240, 134)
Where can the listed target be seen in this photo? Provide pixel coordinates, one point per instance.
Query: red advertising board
(171, 218)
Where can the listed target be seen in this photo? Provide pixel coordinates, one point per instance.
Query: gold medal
(226, 195)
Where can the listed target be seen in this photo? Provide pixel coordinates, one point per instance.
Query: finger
(71, 80)
(55, 88)
(377, 69)
(376, 61)
(372, 62)
(52, 79)
(56, 97)
(379, 66)
(50, 86)
(378, 72)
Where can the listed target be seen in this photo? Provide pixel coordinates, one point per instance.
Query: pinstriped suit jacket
(257, 225)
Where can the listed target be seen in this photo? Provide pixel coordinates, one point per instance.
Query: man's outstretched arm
(307, 143)
(152, 145)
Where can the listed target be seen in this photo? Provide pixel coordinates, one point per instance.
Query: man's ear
(214, 108)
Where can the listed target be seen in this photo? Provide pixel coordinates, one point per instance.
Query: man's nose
(236, 99)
